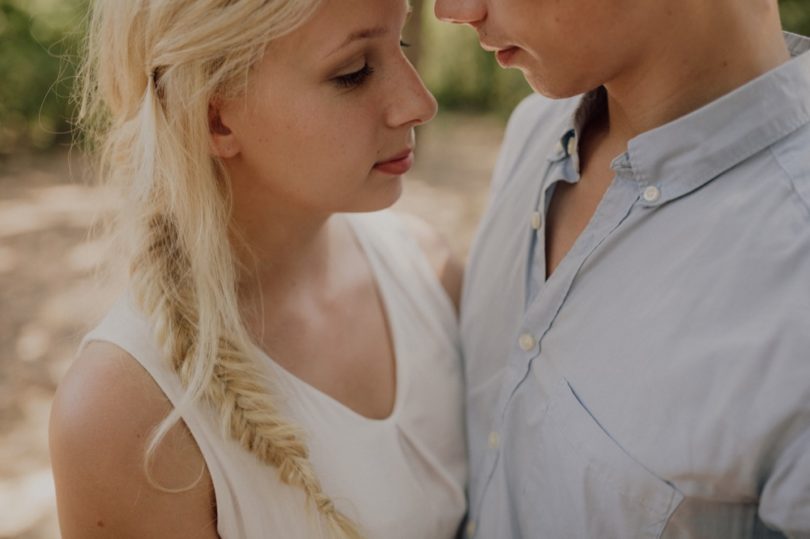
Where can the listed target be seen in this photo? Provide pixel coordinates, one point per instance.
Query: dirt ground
(49, 296)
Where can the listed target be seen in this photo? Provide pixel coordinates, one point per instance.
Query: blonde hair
(153, 67)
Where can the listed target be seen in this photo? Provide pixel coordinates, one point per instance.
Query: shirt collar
(591, 105)
(686, 153)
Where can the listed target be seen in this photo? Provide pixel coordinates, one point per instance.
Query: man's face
(563, 47)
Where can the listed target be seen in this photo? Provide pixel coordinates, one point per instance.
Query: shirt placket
(549, 298)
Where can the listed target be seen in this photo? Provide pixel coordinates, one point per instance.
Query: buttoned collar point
(591, 106)
(685, 154)
(560, 150)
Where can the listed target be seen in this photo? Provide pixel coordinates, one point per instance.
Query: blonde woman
(282, 364)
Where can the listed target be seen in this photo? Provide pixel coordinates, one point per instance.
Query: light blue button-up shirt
(657, 384)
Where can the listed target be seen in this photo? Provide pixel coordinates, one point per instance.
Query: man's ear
(223, 142)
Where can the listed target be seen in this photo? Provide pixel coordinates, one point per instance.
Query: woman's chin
(382, 198)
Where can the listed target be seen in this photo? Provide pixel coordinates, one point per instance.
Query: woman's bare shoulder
(104, 381)
(104, 412)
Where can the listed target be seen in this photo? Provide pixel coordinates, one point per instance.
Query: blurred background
(48, 294)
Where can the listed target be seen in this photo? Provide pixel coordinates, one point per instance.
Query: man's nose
(469, 12)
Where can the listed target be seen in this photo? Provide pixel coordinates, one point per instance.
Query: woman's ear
(223, 142)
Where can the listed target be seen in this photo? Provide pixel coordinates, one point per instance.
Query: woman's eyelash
(356, 78)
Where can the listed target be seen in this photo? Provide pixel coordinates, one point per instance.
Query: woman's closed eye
(357, 78)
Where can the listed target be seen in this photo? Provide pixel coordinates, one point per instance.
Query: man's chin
(553, 89)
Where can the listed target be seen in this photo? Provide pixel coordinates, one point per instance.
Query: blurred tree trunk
(412, 34)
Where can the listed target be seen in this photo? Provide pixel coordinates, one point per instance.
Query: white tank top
(400, 477)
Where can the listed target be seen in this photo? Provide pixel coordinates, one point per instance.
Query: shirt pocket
(583, 484)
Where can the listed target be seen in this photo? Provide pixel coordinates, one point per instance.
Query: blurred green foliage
(463, 76)
(37, 41)
(796, 16)
(40, 40)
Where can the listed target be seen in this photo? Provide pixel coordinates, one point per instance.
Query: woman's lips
(400, 164)
(505, 56)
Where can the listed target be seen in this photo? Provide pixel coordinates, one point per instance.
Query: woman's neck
(282, 249)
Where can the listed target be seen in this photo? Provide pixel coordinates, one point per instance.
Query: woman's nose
(412, 104)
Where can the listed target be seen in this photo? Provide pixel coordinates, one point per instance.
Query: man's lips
(396, 165)
(506, 56)
(503, 53)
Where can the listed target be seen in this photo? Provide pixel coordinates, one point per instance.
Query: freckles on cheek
(275, 136)
(326, 137)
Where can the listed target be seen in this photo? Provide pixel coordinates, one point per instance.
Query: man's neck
(686, 73)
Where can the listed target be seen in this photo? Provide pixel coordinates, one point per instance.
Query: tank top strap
(128, 329)
(400, 262)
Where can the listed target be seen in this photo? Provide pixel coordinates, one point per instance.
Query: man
(636, 314)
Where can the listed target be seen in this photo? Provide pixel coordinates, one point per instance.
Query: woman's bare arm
(102, 416)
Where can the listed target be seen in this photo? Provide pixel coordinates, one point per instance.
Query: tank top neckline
(394, 330)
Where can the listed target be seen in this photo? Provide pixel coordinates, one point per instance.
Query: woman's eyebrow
(367, 33)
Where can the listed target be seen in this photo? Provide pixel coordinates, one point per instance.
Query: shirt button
(494, 440)
(651, 194)
(470, 528)
(572, 145)
(526, 342)
(537, 220)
